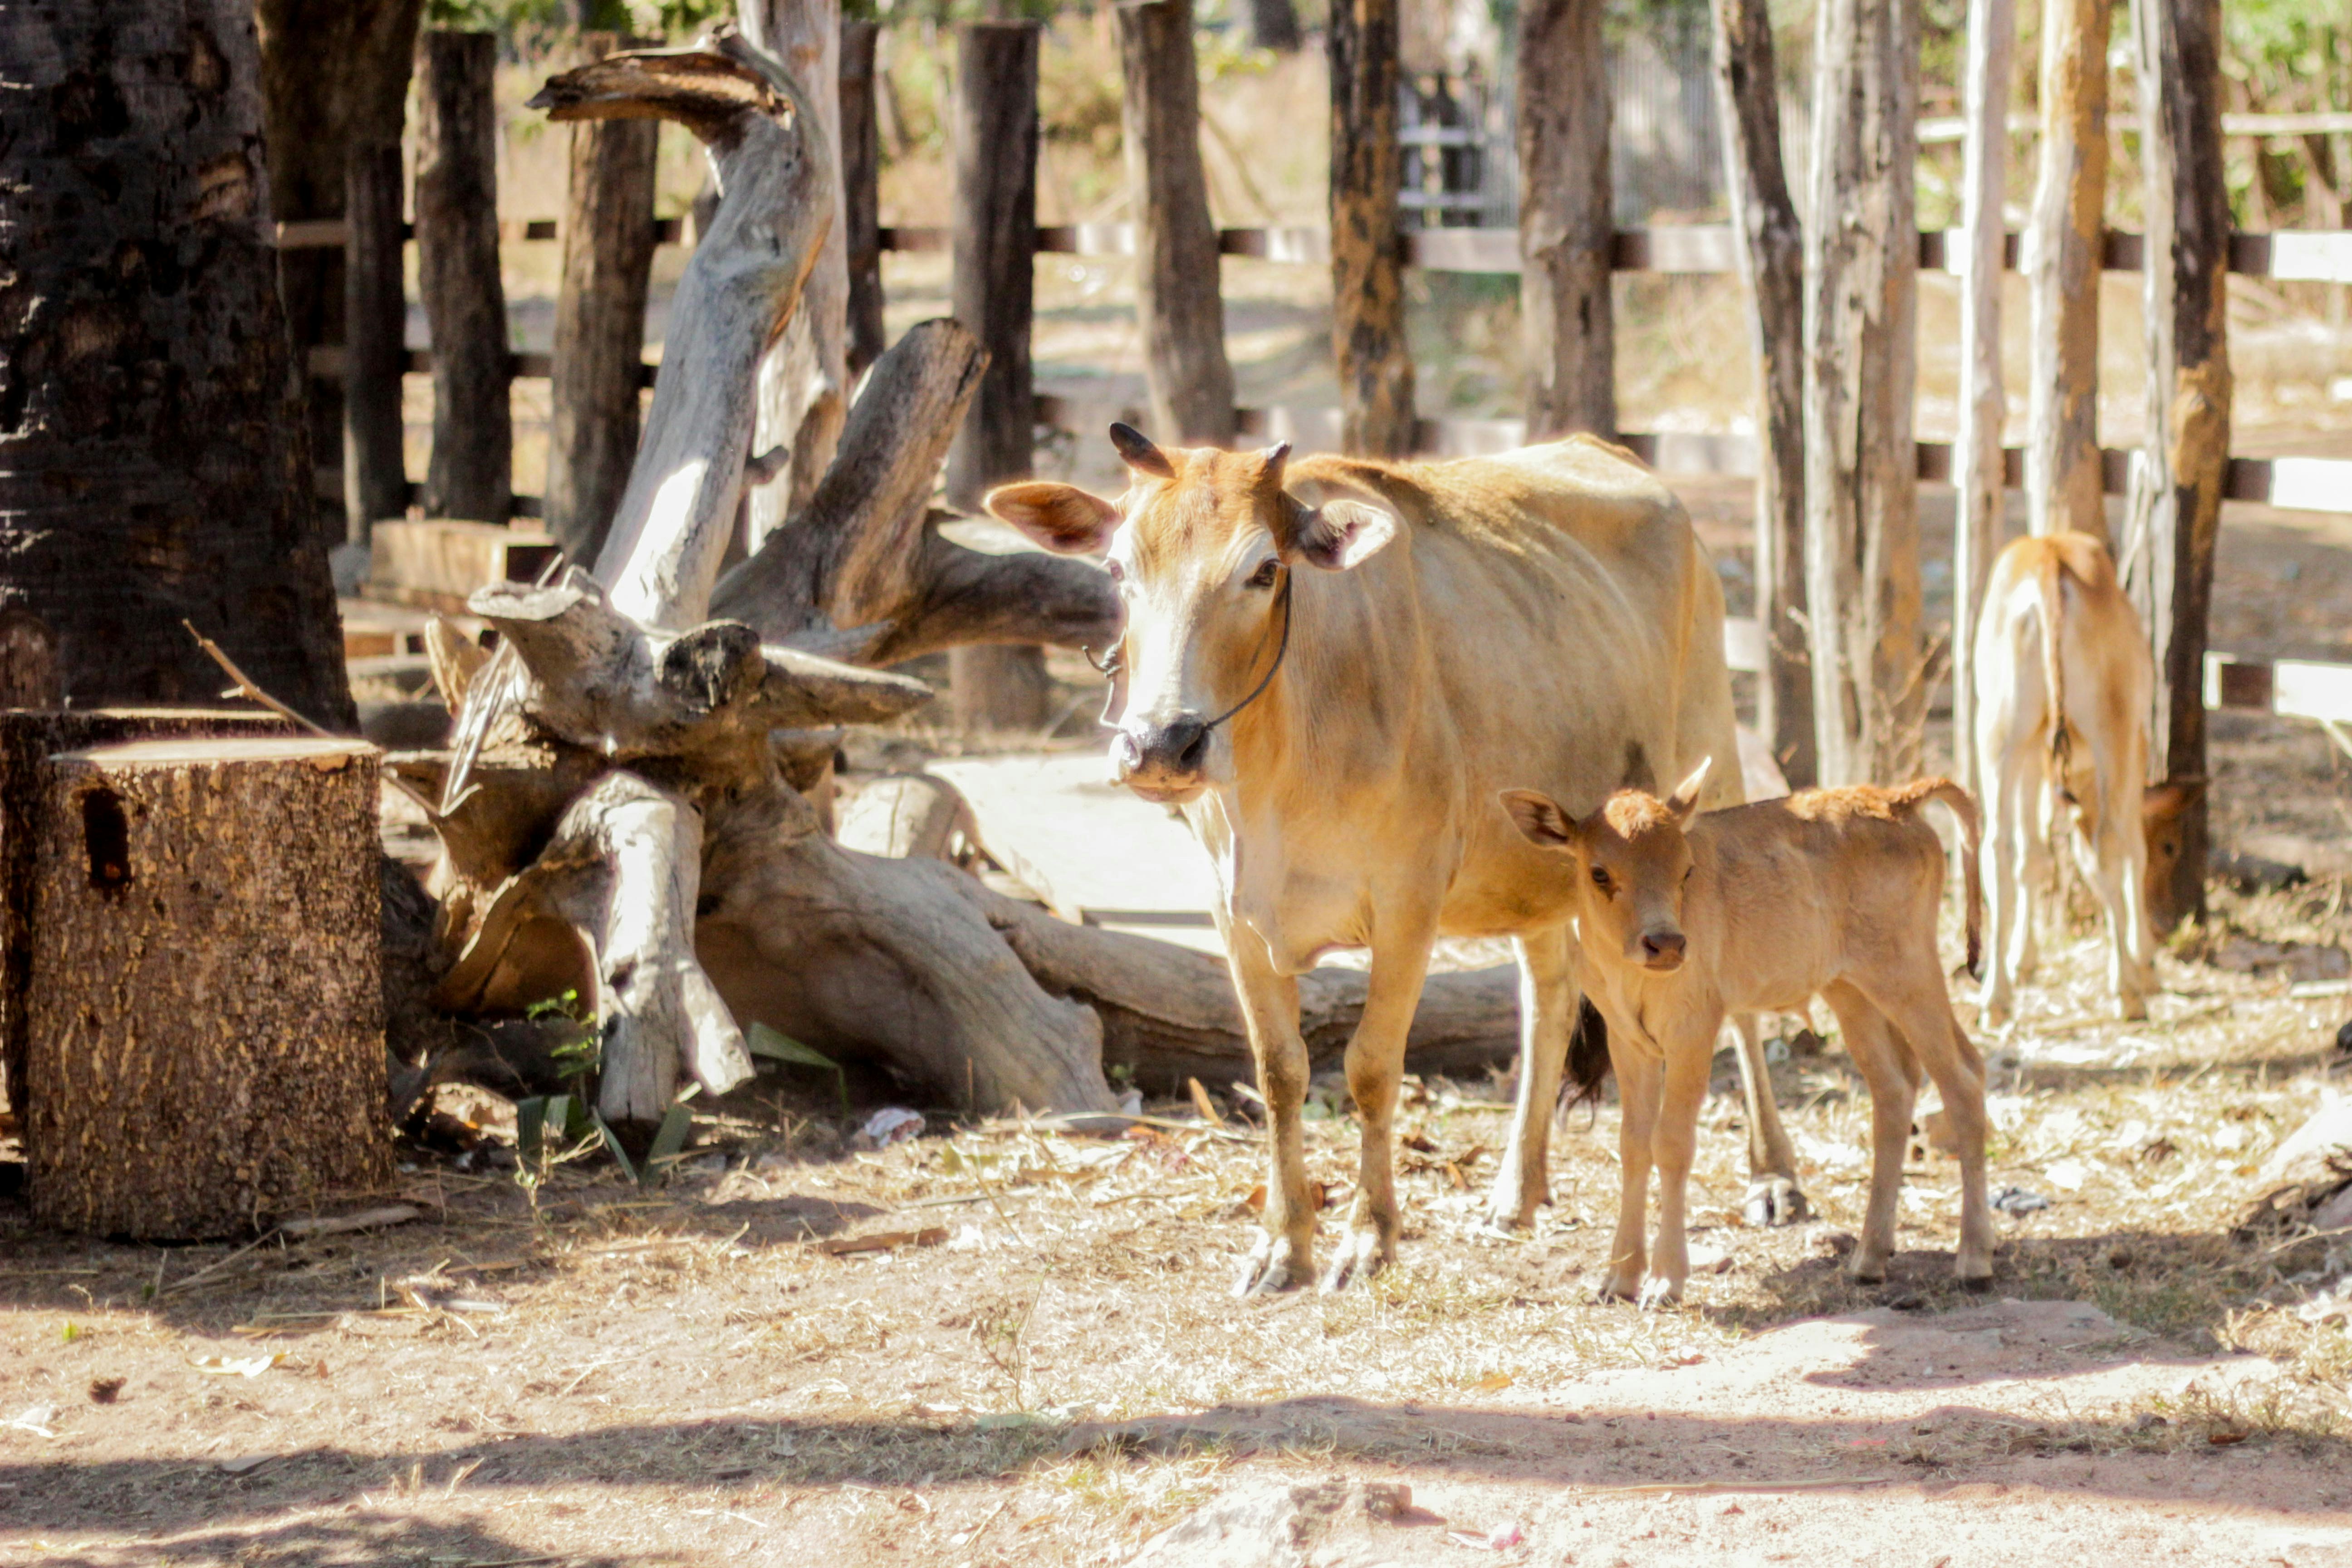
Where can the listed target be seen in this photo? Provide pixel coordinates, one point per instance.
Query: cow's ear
(1064, 519)
(1684, 802)
(1338, 534)
(1540, 819)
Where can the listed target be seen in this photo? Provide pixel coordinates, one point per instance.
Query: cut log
(1368, 327)
(205, 1010)
(908, 816)
(600, 323)
(2063, 486)
(472, 470)
(375, 317)
(1567, 219)
(1178, 299)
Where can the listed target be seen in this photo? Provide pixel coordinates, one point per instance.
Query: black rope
(1279, 654)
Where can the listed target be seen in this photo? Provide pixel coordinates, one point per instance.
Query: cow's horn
(1271, 464)
(1136, 450)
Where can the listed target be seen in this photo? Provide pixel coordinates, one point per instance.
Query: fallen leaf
(2223, 1439)
(1203, 1104)
(1502, 1538)
(245, 1462)
(884, 1240)
(235, 1366)
(33, 1418)
(105, 1390)
(1492, 1382)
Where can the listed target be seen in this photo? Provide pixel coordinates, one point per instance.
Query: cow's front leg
(1547, 1010)
(1285, 1256)
(1773, 1196)
(1375, 1064)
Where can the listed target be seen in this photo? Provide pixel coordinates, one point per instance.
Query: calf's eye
(1601, 878)
(1266, 571)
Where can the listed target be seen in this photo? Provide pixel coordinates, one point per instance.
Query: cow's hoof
(2131, 1009)
(1658, 1293)
(1511, 1209)
(1361, 1254)
(1775, 1200)
(1977, 1284)
(1274, 1265)
(1619, 1287)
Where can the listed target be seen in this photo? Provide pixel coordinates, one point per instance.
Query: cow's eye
(1266, 571)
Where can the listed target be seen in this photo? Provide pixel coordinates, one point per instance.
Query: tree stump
(207, 1019)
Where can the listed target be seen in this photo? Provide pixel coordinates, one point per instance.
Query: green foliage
(777, 1047)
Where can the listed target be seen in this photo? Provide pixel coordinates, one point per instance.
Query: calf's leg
(1917, 1003)
(1548, 1007)
(1892, 1073)
(1773, 1196)
(1375, 1065)
(1640, 1086)
(1674, 1140)
(1285, 1255)
(2009, 913)
(2105, 861)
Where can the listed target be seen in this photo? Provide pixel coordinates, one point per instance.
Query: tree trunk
(1567, 218)
(995, 143)
(205, 1017)
(1273, 25)
(2063, 484)
(472, 471)
(1862, 521)
(334, 76)
(805, 382)
(1178, 299)
(600, 323)
(375, 351)
(1772, 262)
(153, 463)
(1367, 323)
(1978, 475)
(861, 174)
(2175, 510)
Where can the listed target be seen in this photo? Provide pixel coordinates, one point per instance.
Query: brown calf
(1683, 918)
(2064, 681)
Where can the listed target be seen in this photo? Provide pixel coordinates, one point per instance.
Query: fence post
(376, 355)
(1176, 274)
(995, 144)
(861, 170)
(1862, 473)
(1567, 219)
(1772, 262)
(600, 322)
(2176, 512)
(1273, 25)
(2063, 484)
(472, 471)
(1368, 329)
(1977, 463)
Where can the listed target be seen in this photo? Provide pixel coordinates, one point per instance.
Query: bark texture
(206, 1011)
(1273, 25)
(1862, 519)
(2063, 479)
(1772, 262)
(1977, 466)
(472, 470)
(1178, 299)
(1368, 327)
(154, 462)
(995, 139)
(2176, 507)
(1567, 218)
(375, 352)
(861, 197)
(600, 323)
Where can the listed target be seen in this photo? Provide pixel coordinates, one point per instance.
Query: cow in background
(2064, 683)
(1331, 670)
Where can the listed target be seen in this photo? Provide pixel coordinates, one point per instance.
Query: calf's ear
(1064, 519)
(1338, 534)
(2161, 802)
(1684, 802)
(1540, 819)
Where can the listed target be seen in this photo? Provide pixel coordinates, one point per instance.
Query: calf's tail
(1955, 799)
(1588, 1056)
(2049, 573)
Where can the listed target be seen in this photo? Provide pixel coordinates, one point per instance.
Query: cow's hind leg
(1548, 1009)
(1773, 1196)
(1891, 1070)
(1285, 1255)
(1375, 1065)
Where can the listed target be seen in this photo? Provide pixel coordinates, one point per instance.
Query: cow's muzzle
(1663, 950)
(1166, 762)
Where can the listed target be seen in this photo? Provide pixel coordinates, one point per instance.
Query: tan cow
(1331, 668)
(2062, 727)
(1829, 893)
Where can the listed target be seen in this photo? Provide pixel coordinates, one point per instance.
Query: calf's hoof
(1868, 1268)
(1275, 1264)
(1362, 1254)
(1511, 1207)
(1774, 1199)
(1619, 1287)
(1658, 1293)
(2131, 1007)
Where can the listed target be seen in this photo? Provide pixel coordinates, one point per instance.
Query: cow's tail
(2048, 577)
(1955, 799)
(1587, 1056)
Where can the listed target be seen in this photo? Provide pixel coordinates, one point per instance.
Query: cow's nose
(1126, 755)
(1179, 746)
(1662, 949)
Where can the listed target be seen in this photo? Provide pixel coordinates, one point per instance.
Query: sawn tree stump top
(327, 752)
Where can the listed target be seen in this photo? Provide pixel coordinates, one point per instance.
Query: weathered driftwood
(1772, 262)
(1567, 219)
(472, 468)
(861, 171)
(1368, 327)
(2063, 238)
(182, 1088)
